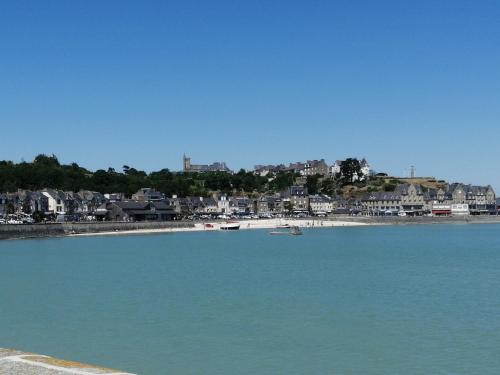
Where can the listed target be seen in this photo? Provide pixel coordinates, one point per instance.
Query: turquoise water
(378, 300)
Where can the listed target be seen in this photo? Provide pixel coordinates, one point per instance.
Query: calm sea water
(378, 300)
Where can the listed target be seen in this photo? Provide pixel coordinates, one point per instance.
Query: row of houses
(293, 200)
(307, 168)
(151, 205)
(313, 167)
(50, 201)
(414, 200)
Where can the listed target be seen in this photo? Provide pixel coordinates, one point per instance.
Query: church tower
(186, 163)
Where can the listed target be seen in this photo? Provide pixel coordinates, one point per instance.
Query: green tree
(282, 180)
(389, 187)
(328, 186)
(312, 184)
(350, 168)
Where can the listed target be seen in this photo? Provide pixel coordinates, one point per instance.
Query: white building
(335, 168)
(460, 209)
(56, 201)
(223, 205)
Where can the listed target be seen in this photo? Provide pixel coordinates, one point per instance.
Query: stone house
(91, 200)
(36, 201)
(298, 198)
(320, 204)
(114, 197)
(241, 205)
(314, 167)
(147, 195)
(381, 203)
(182, 206)
(412, 200)
(481, 199)
(270, 205)
(203, 205)
(264, 170)
(297, 167)
(210, 205)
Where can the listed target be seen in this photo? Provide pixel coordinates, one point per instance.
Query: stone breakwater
(13, 362)
(12, 231)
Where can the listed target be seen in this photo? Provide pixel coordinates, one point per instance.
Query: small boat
(230, 225)
(283, 226)
(294, 231)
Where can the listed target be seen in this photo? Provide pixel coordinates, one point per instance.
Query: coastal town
(313, 189)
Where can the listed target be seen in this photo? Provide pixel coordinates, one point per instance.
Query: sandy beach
(8, 231)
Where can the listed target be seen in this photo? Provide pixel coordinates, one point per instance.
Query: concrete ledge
(10, 231)
(14, 362)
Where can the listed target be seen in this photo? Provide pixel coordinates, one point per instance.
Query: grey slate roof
(382, 196)
(140, 205)
(319, 199)
(402, 189)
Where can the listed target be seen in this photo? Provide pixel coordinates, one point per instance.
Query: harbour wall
(12, 231)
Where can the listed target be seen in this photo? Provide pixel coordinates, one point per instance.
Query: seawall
(12, 231)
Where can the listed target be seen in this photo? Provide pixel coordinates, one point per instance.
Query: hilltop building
(314, 167)
(308, 168)
(201, 168)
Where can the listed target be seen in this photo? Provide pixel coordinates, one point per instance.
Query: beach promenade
(13, 362)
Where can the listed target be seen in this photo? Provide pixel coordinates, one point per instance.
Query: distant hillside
(427, 182)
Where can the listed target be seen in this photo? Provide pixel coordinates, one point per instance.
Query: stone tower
(186, 163)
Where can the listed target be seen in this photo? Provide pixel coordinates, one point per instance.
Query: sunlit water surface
(377, 300)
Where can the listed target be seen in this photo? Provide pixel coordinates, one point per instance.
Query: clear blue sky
(107, 83)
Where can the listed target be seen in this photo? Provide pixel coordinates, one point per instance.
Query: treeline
(46, 172)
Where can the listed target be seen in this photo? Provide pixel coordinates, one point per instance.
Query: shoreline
(244, 225)
(51, 230)
(18, 362)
